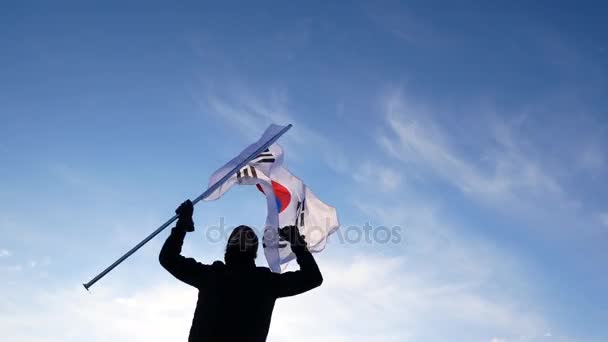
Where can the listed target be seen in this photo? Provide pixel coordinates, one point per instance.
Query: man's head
(242, 247)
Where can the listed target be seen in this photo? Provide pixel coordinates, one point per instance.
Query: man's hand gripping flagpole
(202, 196)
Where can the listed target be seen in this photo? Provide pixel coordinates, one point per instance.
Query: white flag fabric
(289, 202)
(271, 133)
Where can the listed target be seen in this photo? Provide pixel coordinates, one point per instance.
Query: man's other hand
(292, 235)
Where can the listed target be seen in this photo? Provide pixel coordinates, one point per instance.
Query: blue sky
(480, 129)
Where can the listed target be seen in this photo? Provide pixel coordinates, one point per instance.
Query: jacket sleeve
(296, 282)
(185, 269)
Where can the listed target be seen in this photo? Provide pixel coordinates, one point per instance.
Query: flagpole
(208, 192)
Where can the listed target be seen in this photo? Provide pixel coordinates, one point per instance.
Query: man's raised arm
(185, 269)
(307, 278)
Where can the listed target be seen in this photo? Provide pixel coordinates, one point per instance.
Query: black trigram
(247, 171)
(300, 213)
(264, 157)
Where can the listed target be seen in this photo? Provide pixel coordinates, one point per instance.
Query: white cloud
(159, 313)
(378, 298)
(472, 288)
(378, 177)
(251, 112)
(5, 253)
(439, 279)
(500, 171)
(365, 297)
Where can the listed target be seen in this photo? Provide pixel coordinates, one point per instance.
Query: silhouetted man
(236, 298)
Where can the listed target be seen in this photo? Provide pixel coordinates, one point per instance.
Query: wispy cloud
(500, 171)
(398, 304)
(377, 176)
(159, 313)
(5, 252)
(252, 111)
(451, 278)
(441, 279)
(388, 301)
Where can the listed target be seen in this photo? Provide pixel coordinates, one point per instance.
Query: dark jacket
(235, 303)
